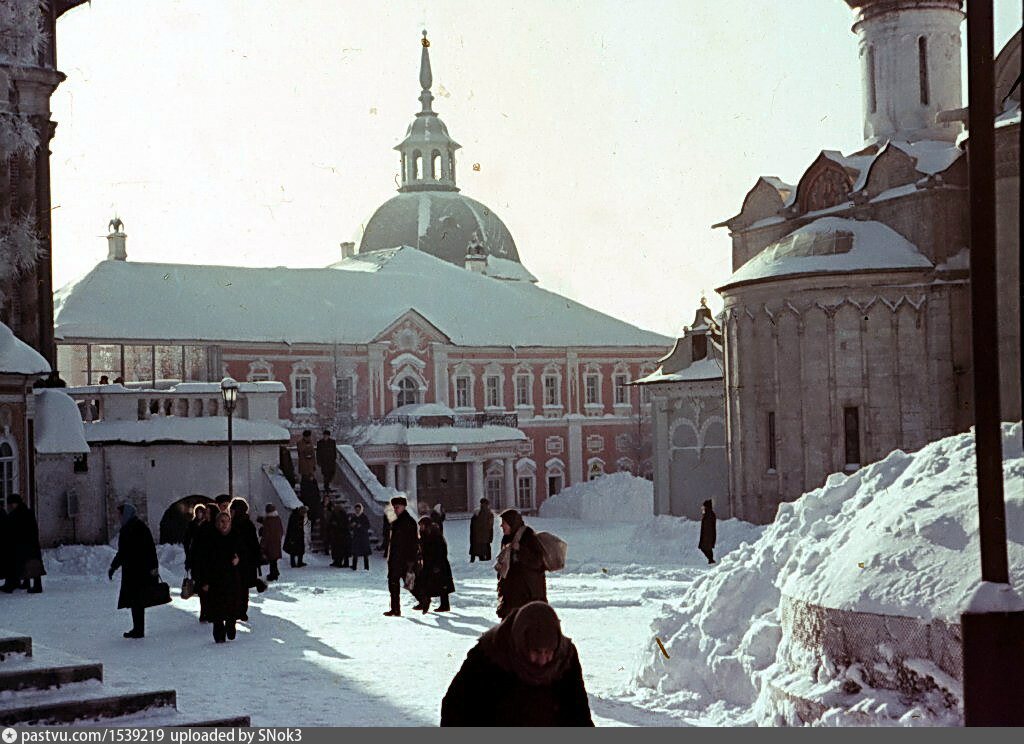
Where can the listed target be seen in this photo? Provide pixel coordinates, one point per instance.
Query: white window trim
(396, 389)
(591, 463)
(259, 368)
(15, 470)
(463, 370)
(523, 372)
(552, 372)
(621, 369)
(532, 478)
(354, 379)
(303, 369)
(645, 390)
(499, 405)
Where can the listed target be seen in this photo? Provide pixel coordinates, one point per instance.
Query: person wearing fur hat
(403, 552)
(136, 557)
(25, 564)
(295, 537)
(481, 532)
(523, 672)
(271, 535)
(520, 565)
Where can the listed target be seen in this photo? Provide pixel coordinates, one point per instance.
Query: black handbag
(152, 595)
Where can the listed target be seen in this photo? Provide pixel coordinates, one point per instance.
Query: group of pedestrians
(223, 554)
(347, 536)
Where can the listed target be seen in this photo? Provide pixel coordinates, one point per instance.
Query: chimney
(348, 250)
(116, 250)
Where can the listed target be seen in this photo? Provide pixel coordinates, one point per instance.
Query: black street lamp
(229, 391)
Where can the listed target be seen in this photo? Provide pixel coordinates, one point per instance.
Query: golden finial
(425, 42)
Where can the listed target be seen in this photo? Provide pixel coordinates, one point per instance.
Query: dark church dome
(441, 223)
(429, 213)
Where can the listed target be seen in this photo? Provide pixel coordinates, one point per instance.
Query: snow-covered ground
(319, 652)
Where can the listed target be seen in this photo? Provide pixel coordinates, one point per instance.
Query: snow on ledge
(993, 597)
(59, 428)
(875, 247)
(17, 357)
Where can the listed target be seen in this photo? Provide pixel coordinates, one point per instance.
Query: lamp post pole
(229, 391)
(993, 623)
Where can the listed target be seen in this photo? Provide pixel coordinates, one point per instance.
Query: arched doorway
(178, 515)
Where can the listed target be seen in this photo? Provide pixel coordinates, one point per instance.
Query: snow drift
(617, 497)
(899, 537)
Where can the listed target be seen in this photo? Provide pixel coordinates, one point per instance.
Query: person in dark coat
(6, 549)
(201, 548)
(708, 532)
(191, 530)
(339, 536)
(403, 552)
(326, 458)
(481, 532)
(271, 535)
(248, 553)
(520, 565)
(284, 461)
(523, 672)
(309, 495)
(295, 537)
(360, 526)
(136, 557)
(223, 580)
(25, 558)
(434, 577)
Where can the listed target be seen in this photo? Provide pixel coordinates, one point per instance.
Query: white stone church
(846, 324)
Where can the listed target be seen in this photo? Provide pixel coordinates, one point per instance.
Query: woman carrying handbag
(140, 579)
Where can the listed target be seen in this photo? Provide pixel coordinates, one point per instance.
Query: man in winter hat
(523, 672)
(403, 551)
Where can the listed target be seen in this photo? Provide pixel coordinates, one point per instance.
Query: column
(389, 475)
(509, 496)
(476, 483)
(410, 485)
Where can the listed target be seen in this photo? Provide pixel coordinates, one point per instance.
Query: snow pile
(897, 537)
(78, 561)
(59, 428)
(17, 357)
(673, 540)
(617, 497)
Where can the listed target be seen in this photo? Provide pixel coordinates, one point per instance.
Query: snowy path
(319, 652)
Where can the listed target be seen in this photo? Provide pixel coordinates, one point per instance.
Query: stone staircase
(42, 686)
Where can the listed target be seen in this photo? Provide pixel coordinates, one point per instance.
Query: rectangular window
(343, 395)
(699, 347)
(81, 464)
(552, 392)
(554, 484)
(303, 389)
(524, 394)
(524, 492)
(771, 440)
(922, 68)
(493, 391)
(593, 390)
(493, 491)
(645, 394)
(462, 399)
(851, 429)
(621, 389)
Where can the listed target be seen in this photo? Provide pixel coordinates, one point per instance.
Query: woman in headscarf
(524, 672)
(520, 565)
(136, 557)
(223, 581)
(434, 578)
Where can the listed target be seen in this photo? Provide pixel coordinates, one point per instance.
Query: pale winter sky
(610, 134)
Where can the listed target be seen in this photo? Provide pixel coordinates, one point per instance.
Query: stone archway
(178, 515)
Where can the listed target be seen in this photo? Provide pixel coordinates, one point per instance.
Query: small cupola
(428, 152)
(116, 250)
(476, 254)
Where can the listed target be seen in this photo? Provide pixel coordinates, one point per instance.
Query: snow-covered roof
(832, 245)
(58, 424)
(283, 489)
(350, 303)
(503, 268)
(708, 368)
(415, 410)
(413, 435)
(174, 429)
(17, 357)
